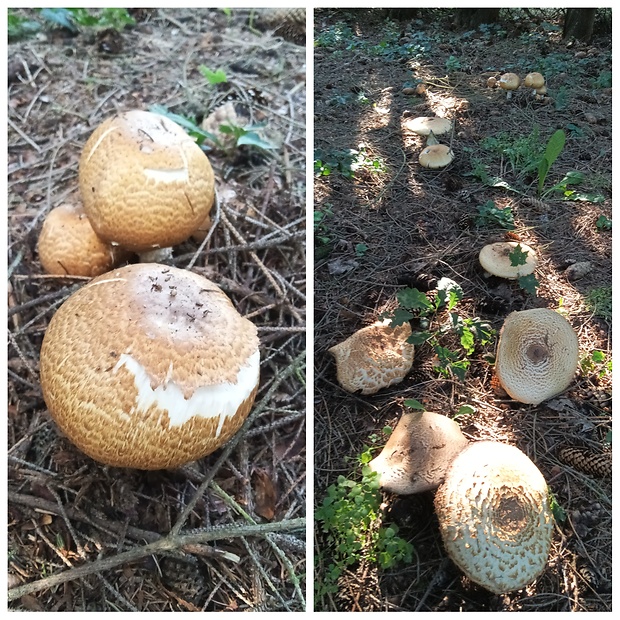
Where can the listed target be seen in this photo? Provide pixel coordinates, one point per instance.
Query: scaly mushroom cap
(68, 245)
(495, 259)
(436, 156)
(418, 453)
(423, 125)
(144, 182)
(149, 367)
(534, 80)
(509, 81)
(494, 516)
(537, 355)
(374, 357)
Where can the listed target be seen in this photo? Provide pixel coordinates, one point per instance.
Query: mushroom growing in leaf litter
(535, 80)
(374, 357)
(537, 355)
(427, 125)
(145, 183)
(498, 258)
(436, 156)
(418, 453)
(68, 245)
(149, 367)
(509, 82)
(495, 517)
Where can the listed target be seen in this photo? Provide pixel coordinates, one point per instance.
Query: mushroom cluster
(149, 367)
(511, 82)
(434, 155)
(145, 186)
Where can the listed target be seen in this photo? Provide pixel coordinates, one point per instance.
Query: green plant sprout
(598, 301)
(416, 304)
(554, 147)
(597, 362)
(490, 215)
(350, 517)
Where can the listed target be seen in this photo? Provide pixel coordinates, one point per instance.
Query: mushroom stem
(156, 255)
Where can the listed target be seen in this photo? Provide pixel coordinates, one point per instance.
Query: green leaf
(467, 341)
(529, 283)
(555, 146)
(418, 338)
(60, 17)
(400, 317)
(190, 126)
(603, 223)
(518, 256)
(413, 299)
(253, 139)
(213, 77)
(464, 410)
(412, 403)
(360, 249)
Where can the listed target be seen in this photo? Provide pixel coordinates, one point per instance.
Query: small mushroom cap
(418, 453)
(144, 182)
(494, 516)
(537, 355)
(436, 156)
(534, 80)
(150, 367)
(374, 357)
(509, 81)
(423, 125)
(68, 245)
(495, 259)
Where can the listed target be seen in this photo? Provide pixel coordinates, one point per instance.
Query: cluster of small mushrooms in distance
(491, 499)
(433, 155)
(146, 366)
(511, 82)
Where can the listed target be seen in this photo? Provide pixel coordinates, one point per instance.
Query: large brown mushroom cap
(436, 156)
(495, 259)
(374, 357)
(68, 245)
(423, 125)
(494, 516)
(509, 82)
(534, 80)
(144, 182)
(418, 453)
(149, 367)
(537, 355)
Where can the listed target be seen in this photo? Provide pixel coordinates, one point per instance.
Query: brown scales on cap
(125, 360)
(144, 182)
(494, 516)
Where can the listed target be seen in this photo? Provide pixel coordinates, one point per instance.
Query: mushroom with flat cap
(145, 184)
(495, 259)
(428, 126)
(509, 82)
(149, 367)
(537, 355)
(68, 245)
(436, 156)
(374, 357)
(495, 517)
(418, 453)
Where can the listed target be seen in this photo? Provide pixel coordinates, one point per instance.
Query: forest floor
(382, 223)
(85, 537)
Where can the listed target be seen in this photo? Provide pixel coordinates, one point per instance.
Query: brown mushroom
(144, 182)
(537, 355)
(374, 357)
(436, 156)
(150, 367)
(494, 516)
(535, 81)
(509, 82)
(418, 453)
(495, 259)
(68, 245)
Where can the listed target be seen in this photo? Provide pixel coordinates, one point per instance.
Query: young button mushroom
(418, 453)
(149, 367)
(537, 355)
(509, 82)
(436, 156)
(494, 516)
(495, 259)
(536, 81)
(144, 182)
(374, 357)
(68, 245)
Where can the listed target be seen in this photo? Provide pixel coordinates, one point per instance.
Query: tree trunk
(579, 24)
(472, 18)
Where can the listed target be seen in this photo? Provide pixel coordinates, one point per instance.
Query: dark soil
(381, 231)
(226, 532)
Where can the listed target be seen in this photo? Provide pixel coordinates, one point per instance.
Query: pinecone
(290, 24)
(594, 463)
